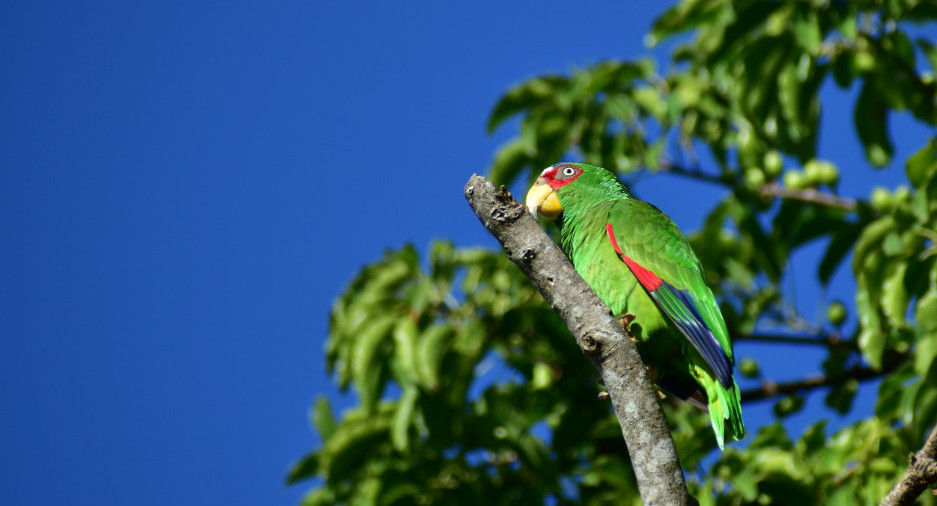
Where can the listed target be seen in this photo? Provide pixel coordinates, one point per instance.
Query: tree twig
(770, 389)
(921, 473)
(828, 340)
(599, 335)
(669, 166)
(811, 195)
(773, 190)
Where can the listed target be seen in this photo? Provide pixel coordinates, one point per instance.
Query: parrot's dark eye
(569, 171)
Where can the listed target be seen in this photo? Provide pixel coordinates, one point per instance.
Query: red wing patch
(647, 278)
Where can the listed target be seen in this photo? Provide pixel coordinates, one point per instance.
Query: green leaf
(746, 481)
(525, 96)
(764, 252)
(807, 32)
(304, 469)
(650, 99)
(921, 167)
(922, 12)
(319, 497)
(870, 241)
(925, 313)
(773, 435)
(871, 337)
(925, 404)
(843, 239)
(901, 47)
(908, 401)
(930, 51)
(433, 346)
(844, 69)
(890, 393)
(814, 438)
(368, 362)
(345, 452)
(322, 418)
(871, 117)
(508, 163)
(895, 296)
(847, 22)
(403, 417)
(405, 343)
(840, 398)
(684, 16)
(763, 61)
(843, 495)
(750, 17)
(925, 353)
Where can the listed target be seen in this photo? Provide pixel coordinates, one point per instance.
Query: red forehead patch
(560, 175)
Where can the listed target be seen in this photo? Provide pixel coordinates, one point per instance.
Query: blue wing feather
(680, 307)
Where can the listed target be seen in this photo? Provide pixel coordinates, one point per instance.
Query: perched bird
(641, 265)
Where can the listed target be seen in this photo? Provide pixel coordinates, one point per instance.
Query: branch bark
(921, 473)
(599, 335)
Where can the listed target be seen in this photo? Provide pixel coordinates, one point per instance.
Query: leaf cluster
(463, 374)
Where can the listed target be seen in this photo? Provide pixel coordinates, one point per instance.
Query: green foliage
(857, 465)
(432, 333)
(470, 389)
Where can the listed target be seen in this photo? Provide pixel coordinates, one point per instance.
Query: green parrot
(641, 265)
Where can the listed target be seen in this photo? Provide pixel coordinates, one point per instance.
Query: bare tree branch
(827, 340)
(811, 195)
(669, 166)
(773, 190)
(921, 473)
(771, 389)
(599, 335)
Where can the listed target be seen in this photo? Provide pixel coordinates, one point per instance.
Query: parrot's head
(570, 184)
(542, 197)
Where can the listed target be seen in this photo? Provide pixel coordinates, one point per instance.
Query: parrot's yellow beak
(542, 199)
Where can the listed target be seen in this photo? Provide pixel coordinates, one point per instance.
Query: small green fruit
(821, 172)
(836, 313)
(902, 194)
(754, 177)
(749, 368)
(882, 199)
(788, 405)
(864, 61)
(812, 171)
(829, 174)
(773, 164)
(795, 179)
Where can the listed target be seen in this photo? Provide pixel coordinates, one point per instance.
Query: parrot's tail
(725, 407)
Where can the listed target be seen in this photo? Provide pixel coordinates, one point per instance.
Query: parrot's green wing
(664, 263)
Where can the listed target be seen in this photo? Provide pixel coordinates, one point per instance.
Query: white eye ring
(569, 171)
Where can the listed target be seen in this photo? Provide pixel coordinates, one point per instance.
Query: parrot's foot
(604, 396)
(625, 321)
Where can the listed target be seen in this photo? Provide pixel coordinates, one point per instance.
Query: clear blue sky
(185, 187)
